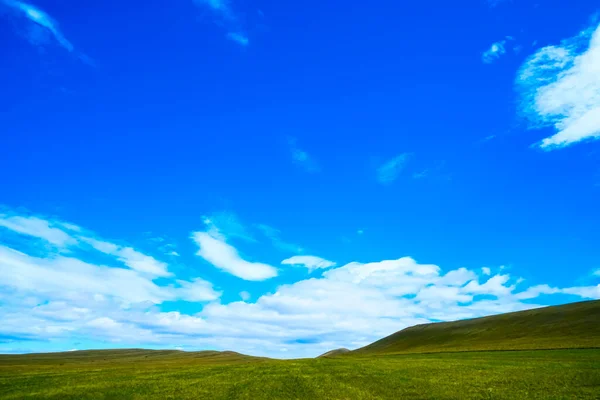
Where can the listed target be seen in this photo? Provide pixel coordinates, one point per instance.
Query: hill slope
(575, 325)
(334, 353)
(127, 356)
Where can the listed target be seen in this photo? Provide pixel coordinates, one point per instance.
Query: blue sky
(282, 179)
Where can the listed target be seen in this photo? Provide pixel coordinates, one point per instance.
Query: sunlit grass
(568, 374)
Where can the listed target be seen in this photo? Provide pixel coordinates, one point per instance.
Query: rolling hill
(127, 356)
(334, 353)
(575, 325)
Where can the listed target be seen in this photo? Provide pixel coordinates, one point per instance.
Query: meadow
(555, 374)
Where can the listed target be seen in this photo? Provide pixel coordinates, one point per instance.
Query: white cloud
(535, 291)
(245, 295)
(69, 278)
(443, 294)
(217, 5)
(142, 263)
(38, 228)
(48, 230)
(390, 170)
(43, 24)
(486, 271)
(55, 297)
(65, 277)
(101, 245)
(587, 292)
(68, 226)
(458, 277)
(227, 224)
(238, 38)
(301, 157)
(274, 235)
(423, 174)
(496, 50)
(310, 262)
(560, 87)
(494, 286)
(216, 251)
(223, 9)
(596, 272)
(380, 303)
(198, 290)
(130, 257)
(315, 309)
(436, 171)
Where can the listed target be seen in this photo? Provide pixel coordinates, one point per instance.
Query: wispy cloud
(496, 50)
(62, 277)
(222, 6)
(487, 138)
(215, 250)
(309, 262)
(494, 3)
(42, 24)
(37, 227)
(301, 157)
(130, 257)
(560, 87)
(238, 38)
(274, 235)
(435, 171)
(422, 174)
(224, 10)
(391, 169)
(245, 295)
(228, 225)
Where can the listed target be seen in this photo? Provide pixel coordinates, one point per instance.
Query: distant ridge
(334, 353)
(575, 325)
(132, 355)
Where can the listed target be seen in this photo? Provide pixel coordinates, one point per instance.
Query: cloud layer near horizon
(53, 287)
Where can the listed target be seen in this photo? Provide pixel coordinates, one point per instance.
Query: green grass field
(558, 374)
(442, 369)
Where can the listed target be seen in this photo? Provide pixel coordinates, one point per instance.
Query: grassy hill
(575, 325)
(127, 356)
(333, 353)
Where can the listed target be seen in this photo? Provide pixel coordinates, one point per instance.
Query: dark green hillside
(575, 325)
